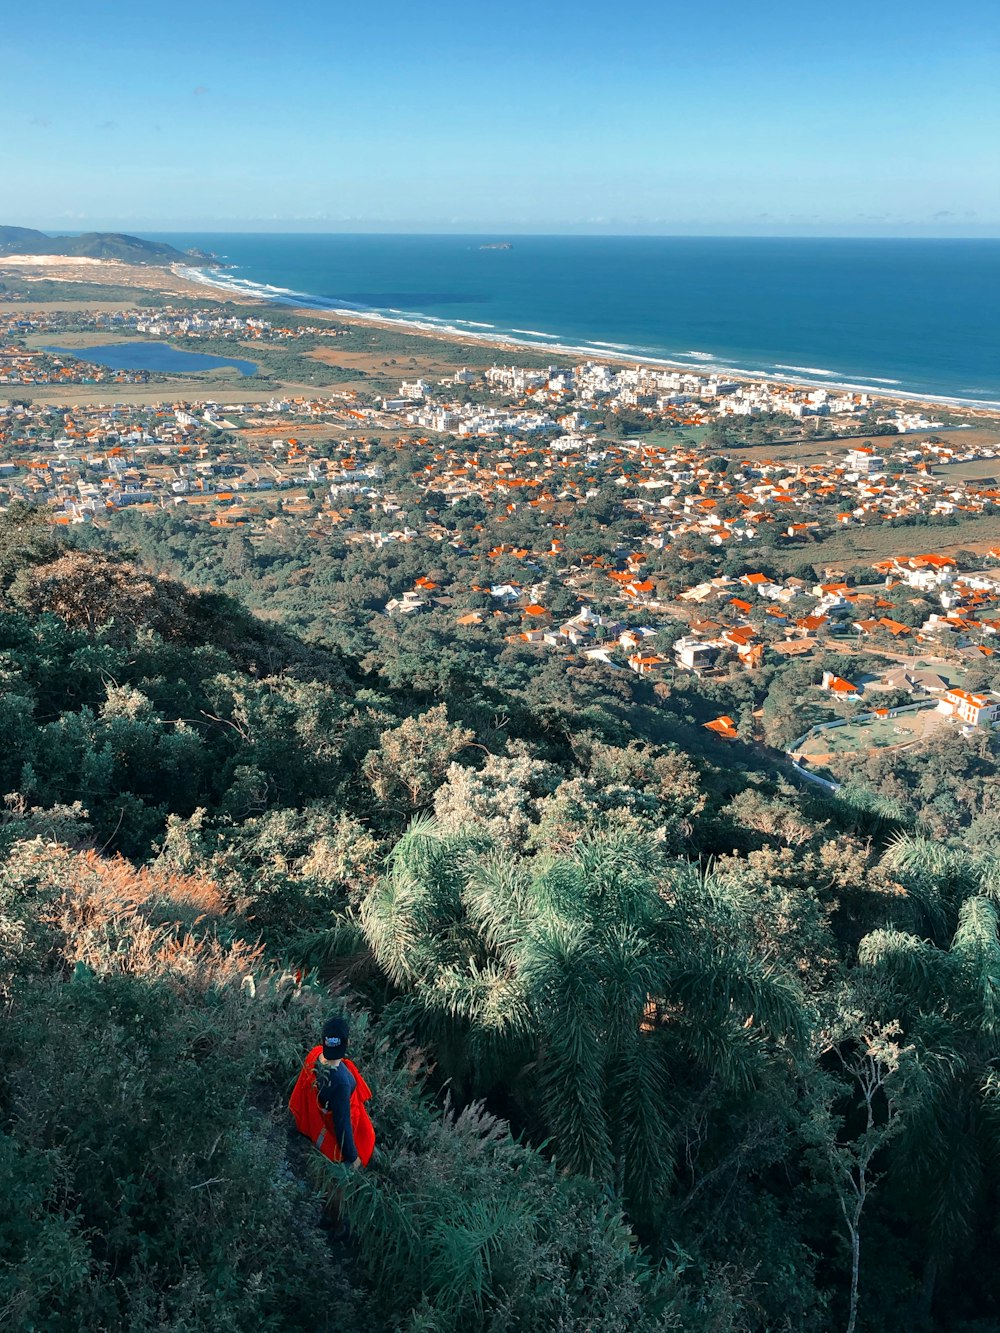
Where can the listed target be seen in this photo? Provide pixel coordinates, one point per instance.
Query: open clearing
(863, 545)
(882, 733)
(200, 387)
(978, 469)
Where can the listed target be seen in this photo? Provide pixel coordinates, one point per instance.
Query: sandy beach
(100, 272)
(483, 348)
(546, 352)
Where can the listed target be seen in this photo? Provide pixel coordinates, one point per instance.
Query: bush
(143, 1174)
(460, 1227)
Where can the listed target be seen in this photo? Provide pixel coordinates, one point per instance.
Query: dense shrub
(462, 1228)
(744, 1034)
(144, 1155)
(142, 1168)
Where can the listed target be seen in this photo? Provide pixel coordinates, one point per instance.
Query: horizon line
(236, 229)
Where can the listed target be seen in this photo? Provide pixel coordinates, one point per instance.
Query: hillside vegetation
(94, 245)
(656, 1040)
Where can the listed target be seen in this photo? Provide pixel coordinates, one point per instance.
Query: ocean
(913, 317)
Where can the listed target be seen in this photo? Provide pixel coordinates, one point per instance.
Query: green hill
(656, 1041)
(95, 245)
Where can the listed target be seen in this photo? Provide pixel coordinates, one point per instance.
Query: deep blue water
(917, 316)
(152, 356)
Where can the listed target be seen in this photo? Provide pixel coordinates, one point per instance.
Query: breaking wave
(808, 370)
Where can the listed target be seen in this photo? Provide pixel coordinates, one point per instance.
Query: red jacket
(317, 1124)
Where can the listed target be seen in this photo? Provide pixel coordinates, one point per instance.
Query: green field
(985, 468)
(876, 735)
(856, 546)
(684, 438)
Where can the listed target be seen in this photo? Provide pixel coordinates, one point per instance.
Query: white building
(694, 654)
(864, 461)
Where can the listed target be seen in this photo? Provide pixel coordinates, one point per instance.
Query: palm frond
(631, 970)
(498, 899)
(907, 852)
(485, 997)
(613, 863)
(976, 949)
(643, 1133)
(723, 1049)
(413, 918)
(937, 877)
(343, 939)
(394, 917)
(559, 890)
(916, 969)
(729, 985)
(562, 980)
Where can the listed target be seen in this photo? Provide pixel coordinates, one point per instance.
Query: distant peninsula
(97, 245)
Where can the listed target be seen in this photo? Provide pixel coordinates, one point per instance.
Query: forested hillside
(93, 245)
(657, 1040)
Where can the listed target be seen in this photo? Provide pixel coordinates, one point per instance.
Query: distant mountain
(96, 245)
(10, 236)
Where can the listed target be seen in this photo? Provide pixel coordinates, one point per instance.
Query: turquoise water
(913, 316)
(152, 356)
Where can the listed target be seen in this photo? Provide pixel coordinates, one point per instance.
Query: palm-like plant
(937, 879)
(948, 1000)
(586, 981)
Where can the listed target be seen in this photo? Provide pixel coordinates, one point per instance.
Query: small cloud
(942, 215)
(41, 122)
(200, 91)
(108, 125)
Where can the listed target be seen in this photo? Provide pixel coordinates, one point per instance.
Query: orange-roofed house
(934, 561)
(642, 589)
(894, 627)
(794, 647)
(644, 664)
(843, 689)
(723, 726)
(926, 571)
(975, 710)
(811, 623)
(740, 636)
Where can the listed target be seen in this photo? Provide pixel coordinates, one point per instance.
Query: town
(638, 538)
(24, 363)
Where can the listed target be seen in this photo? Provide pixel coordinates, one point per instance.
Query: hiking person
(328, 1100)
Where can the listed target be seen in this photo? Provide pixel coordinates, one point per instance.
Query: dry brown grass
(119, 920)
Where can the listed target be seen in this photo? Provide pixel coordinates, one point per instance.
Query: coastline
(243, 290)
(201, 284)
(163, 280)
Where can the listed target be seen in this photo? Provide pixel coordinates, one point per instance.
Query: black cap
(336, 1035)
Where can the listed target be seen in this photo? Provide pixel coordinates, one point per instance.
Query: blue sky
(714, 117)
